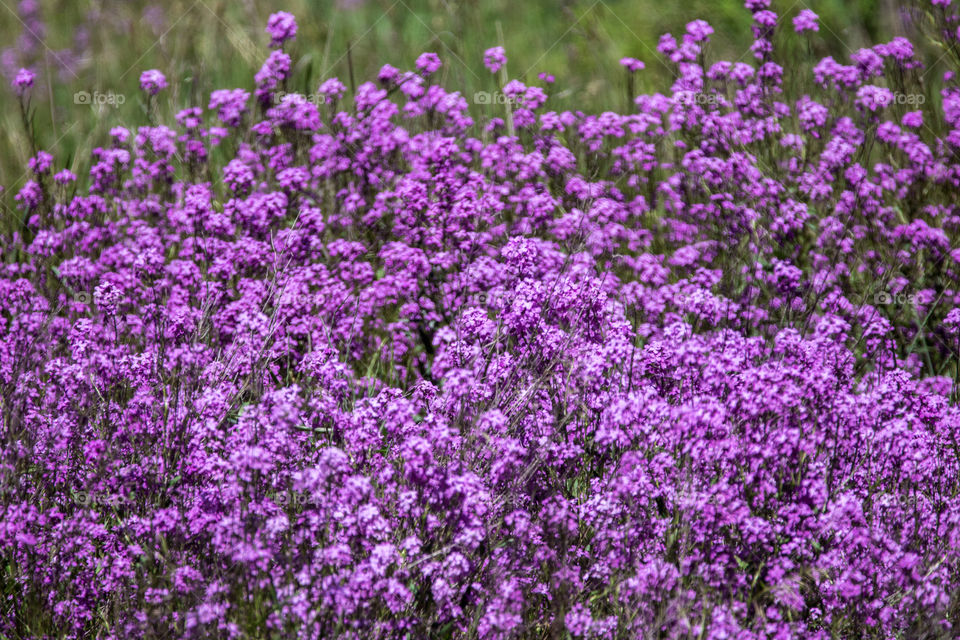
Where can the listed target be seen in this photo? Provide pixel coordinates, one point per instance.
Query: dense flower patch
(319, 366)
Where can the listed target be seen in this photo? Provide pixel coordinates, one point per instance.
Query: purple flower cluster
(23, 81)
(153, 82)
(379, 370)
(494, 58)
(806, 20)
(281, 26)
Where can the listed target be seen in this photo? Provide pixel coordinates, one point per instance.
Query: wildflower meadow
(397, 358)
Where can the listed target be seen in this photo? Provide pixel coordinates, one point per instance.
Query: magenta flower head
(152, 81)
(913, 119)
(281, 26)
(952, 322)
(699, 30)
(940, 3)
(428, 64)
(494, 58)
(40, 163)
(766, 19)
(64, 176)
(120, 135)
(806, 20)
(388, 74)
(23, 81)
(632, 64)
(332, 89)
(667, 44)
(873, 98)
(900, 49)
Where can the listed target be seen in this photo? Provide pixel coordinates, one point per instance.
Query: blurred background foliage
(101, 46)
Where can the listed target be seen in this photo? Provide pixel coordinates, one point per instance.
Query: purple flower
(900, 49)
(578, 621)
(806, 20)
(699, 30)
(120, 135)
(30, 196)
(238, 176)
(952, 321)
(332, 89)
(231, 104)
(388, 74)
(271, 75)
(40, 163)
(872, 98)
(152, 81)
(281, 27)
(913, 119)
(428, 64)
(64, 176)
(295, 111)
(767, 19)
(494, 58)
(632, 64)
(667, 44)
(23, 81)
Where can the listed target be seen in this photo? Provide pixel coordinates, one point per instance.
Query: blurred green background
(101, 47)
